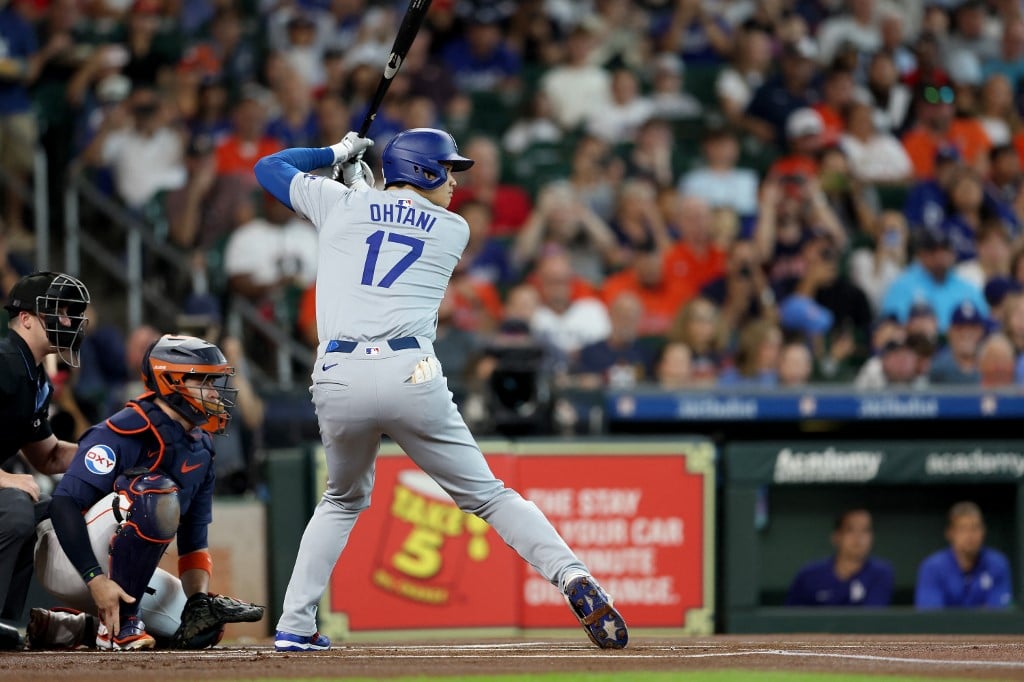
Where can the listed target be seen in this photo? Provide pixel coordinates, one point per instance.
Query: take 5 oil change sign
(639, 515)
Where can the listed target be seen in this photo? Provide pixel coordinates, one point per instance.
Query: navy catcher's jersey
(385, 258)
(104, 454)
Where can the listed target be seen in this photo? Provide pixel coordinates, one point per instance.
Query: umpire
(47, 315)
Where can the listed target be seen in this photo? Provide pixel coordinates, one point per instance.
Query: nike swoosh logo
(188, 468)
(326, 367)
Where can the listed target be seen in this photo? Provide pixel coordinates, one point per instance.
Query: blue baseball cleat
(593, 607)
(286, 641)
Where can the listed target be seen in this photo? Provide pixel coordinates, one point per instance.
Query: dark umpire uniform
(56, 304)
(25, 392)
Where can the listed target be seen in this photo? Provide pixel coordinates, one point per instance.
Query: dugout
(780, 499)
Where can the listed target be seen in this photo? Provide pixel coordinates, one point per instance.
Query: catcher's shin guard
(145, 531)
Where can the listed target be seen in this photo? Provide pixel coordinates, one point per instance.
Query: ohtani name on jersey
(400, 214)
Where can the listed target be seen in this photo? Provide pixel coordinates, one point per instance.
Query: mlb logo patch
(373, 350)
(405, 202)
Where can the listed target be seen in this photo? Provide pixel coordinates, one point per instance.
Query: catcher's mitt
(204, 617)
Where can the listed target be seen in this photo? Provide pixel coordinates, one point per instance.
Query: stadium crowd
(690, 193)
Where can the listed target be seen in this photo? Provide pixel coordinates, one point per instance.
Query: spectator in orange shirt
(248, 142)
(805, 132)
(837, 94)
(937, 126)
(694, 260)
(645, 278)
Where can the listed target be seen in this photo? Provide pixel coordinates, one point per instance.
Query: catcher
(138, 480)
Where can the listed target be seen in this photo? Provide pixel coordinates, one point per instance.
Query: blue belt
(402, 343)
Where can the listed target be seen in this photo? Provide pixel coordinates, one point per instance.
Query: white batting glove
(350, 146)
(356, 172)
(425, 370)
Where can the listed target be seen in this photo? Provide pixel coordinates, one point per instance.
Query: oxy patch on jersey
(100, 460)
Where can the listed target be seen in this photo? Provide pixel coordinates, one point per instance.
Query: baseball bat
(407, 31)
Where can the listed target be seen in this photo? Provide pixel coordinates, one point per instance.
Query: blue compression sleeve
(69, 524)
(275, 172)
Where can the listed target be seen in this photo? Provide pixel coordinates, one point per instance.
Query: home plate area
(959, 657)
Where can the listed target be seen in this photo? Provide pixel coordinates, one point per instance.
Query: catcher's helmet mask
(59, 300)
(171, 360)
(418, 157)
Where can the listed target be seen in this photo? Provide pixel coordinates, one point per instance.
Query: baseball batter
(385, 261)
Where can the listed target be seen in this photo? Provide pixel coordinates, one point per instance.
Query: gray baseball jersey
(385, 261)
(385, 258)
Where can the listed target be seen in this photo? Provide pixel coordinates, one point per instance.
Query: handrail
(39, 196)
(242, 317)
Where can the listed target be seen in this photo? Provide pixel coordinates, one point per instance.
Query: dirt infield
(967, 657)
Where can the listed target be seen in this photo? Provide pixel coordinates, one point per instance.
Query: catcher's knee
(153, 507)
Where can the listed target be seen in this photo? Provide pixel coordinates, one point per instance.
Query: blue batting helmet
(412, 153)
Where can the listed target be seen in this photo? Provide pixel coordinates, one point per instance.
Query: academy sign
(826, 466)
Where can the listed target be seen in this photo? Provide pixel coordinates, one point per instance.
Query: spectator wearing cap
(896, 364)
(996, 291)
(805, 132)
(142, 146)
(668, 95)
(921, 322)
(930, 278)
(957, 361)
(801, 315)
(930, 67)
(481, 60)
(928, 200)
(778, 98)
(937, 126)
(719, 181)
(304, 44)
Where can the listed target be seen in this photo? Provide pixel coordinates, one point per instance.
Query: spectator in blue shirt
(930, 278)
(851, 576)
(967, 573)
